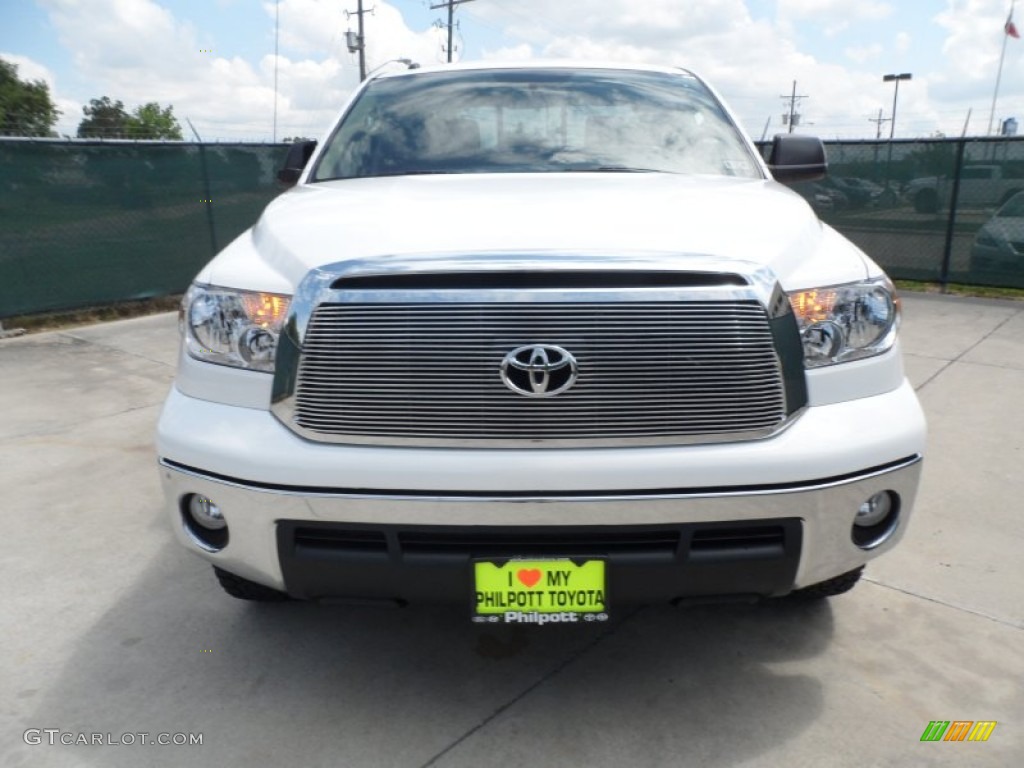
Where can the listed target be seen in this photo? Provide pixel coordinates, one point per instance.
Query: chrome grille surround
(657, 366)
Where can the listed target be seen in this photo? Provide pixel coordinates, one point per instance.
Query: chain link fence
(85, 223)
(943, 210)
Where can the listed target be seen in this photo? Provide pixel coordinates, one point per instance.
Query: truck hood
(573, 213)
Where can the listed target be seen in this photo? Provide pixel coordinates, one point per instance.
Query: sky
(214, 60)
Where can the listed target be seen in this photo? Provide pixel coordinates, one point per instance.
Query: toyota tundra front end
(543, 340)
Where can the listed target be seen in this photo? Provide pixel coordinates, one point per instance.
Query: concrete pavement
(111, 627)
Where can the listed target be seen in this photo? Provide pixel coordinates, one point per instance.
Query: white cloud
(863, 53)
(388, 37)
(868, 10)
(971, 51)
(144, 50)
(520, 52)
(311, 26)
(751, 62)
(28, 69)
(138, 51)
(135, 51)
(975, 30)
(654, 23)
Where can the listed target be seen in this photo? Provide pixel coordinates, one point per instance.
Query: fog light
(876, 520)
(206, 513)
(874, 510)
(203, 522)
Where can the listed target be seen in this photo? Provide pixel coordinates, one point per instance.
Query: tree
(151, 122)
(26, 108)
(106, 119)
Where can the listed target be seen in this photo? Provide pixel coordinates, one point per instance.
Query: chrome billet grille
(387, 373)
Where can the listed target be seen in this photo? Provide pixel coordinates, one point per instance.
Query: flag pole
(999, 75)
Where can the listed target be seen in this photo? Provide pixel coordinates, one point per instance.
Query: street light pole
(895, 96)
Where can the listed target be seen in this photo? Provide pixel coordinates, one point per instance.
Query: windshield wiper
(503, 169)
(627, 169)
(610, 169)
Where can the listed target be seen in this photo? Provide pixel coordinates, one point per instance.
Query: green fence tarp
(85, 223)
(933, 209)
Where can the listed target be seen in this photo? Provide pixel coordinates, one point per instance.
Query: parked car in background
(981, 186)
(823, 199)
(870, 192)
(998, 248)
(856, 193)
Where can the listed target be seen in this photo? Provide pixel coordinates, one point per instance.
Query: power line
(878, 123)
(793, 117)
(450, 5)
(277, 27)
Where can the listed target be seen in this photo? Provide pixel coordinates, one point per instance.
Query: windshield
(1013, 209)
(535, 120)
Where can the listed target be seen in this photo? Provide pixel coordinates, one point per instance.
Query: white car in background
(541, 340)
(998, 248)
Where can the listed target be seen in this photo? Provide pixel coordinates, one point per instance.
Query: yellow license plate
(539, 591)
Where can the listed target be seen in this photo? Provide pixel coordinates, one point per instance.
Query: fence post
(206, 189)
(209, 200)
(947, 254)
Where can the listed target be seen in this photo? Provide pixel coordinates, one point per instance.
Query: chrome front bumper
(824, 510)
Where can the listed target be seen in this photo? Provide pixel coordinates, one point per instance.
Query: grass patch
(122, 310)
(960, 289)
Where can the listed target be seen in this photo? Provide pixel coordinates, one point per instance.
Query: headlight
(236, 328)
(846, 322)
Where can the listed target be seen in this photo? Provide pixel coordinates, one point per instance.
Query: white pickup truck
(542, 340)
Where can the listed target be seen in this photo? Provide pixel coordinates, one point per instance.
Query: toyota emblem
(539, 370)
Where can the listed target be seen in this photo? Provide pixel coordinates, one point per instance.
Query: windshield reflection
(535, 120)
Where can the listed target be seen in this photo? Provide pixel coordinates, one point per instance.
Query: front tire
(243, 589)
(830, 587)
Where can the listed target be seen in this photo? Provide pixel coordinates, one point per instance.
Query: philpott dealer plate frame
(540, 590)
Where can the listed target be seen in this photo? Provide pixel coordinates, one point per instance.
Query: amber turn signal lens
(813, 306)
(266, 310)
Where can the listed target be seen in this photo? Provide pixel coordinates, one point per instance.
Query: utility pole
(450, 5)
(793, 117)
(357, 42)
(878, 123)
(277, 27)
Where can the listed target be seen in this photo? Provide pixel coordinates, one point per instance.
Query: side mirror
(298, 155)
(797, 158)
